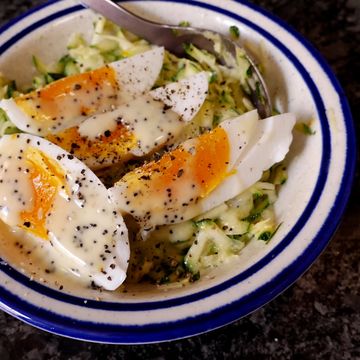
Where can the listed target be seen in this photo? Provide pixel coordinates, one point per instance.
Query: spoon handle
(146, 29)
(173, 39)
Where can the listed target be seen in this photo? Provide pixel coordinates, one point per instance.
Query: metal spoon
(173, 39)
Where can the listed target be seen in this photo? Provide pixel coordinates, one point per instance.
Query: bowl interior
(288, 91)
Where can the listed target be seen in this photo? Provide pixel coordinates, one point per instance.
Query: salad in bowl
(136, 182)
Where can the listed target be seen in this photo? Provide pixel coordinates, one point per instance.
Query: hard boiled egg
(205, 171)
(56, 201)
(68, 101)
(135, 128)
(186, 96)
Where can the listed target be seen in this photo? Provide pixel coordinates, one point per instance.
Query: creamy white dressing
(95, 126)
(172, 203)
(15, 190)
(151, 123)
(157, 207)
(86, 235)
(36, 259)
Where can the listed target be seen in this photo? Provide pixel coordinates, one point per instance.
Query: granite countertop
(316, 318)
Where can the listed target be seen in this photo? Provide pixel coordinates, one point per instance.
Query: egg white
(86, 235)
(137, 74)
(186, 96)
(268, 146)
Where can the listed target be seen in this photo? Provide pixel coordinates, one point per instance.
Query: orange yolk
(206, 166)
(166, 169)
(46, 178)
(76, 95)
(211, 160)
(119, 142)
(85, 81)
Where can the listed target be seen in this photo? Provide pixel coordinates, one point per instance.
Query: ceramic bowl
(310, 205)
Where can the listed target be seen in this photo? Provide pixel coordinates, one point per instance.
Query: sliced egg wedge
(59, 203)
(135, 128)
(268, 146)
(186, 96)
(205, 171)
(68, 101)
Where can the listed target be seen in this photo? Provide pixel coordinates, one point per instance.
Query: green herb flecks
(234, 32)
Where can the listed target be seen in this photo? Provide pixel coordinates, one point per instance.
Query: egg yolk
(112, 144)
(211, 160)
(72, 96)
(46, 178)
(205, 165)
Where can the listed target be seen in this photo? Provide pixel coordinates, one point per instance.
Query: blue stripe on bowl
(220, 316)
(34, 10)
(35, 25)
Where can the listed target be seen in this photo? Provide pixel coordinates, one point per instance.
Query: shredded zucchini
(231, 225)
(210, 240)
(234, 32)
(179, 253)
(305, 128)
(6, 126)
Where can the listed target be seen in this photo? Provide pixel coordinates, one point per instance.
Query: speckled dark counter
(316, 318)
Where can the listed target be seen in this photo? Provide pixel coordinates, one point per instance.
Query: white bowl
(310, 205)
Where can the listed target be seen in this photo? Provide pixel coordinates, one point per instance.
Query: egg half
(54, 200)
(205, 171)
(68, 101)
(137, 127)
